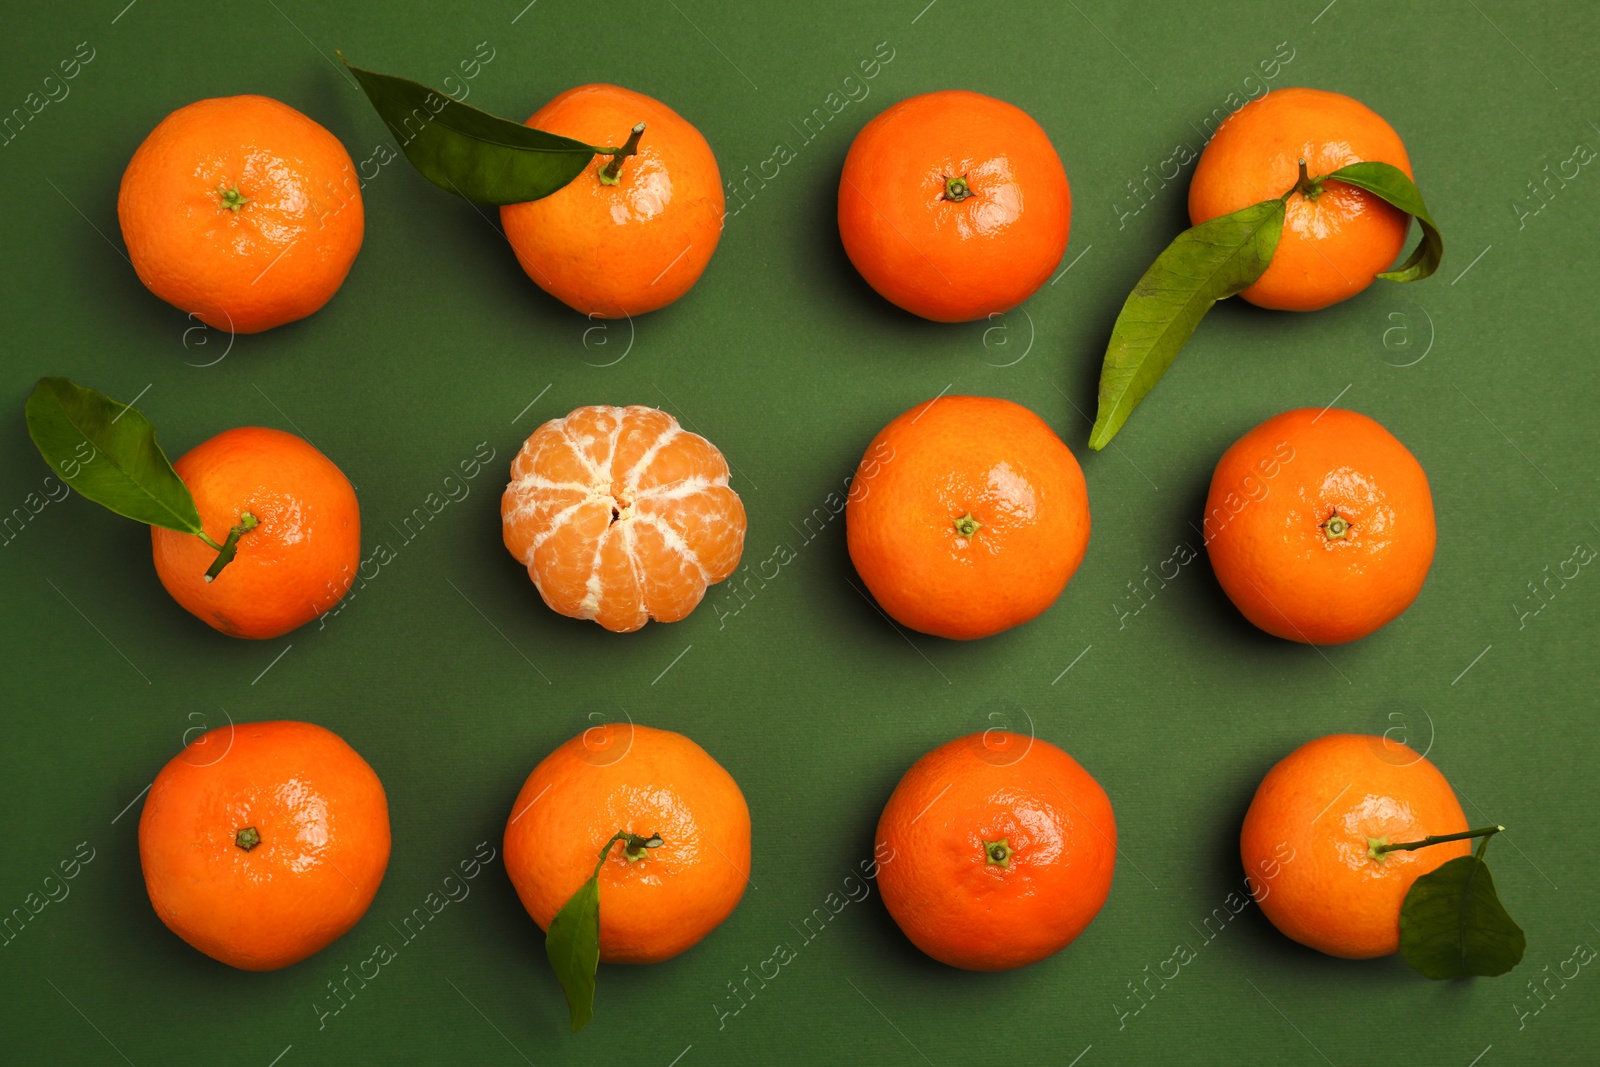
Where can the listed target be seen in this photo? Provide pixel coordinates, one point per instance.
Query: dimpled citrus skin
(1266, 538)
(611, 251)
(624, 777)
(323, 823)
(295, 565)
(933, 869)
(941, 461)
(1319, 806)
(1332, 247)
(622, 516)
(943, 259)
(283, 254)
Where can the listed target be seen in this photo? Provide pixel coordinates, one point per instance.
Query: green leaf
(1391, 184)
(573, 945)
(107, 451)
(1207, 263)
(469, 152)
(1452, 924)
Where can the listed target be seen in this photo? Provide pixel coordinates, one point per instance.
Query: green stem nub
(247, 838)
(1305, 185)
(966, 526)
(957, 189)
(611, 173)
(1378, 846)
(997, 853)
(230, 547)
(1336, 528)
(233, 199)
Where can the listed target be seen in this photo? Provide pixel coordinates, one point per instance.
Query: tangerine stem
(1305, 185)
(228, 548)
(1377, 846)
(632, 851)
(997, 853)
(611, 173)
(956, 189)
(247, 838)
(966, 525)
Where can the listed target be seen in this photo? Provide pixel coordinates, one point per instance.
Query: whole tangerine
(624, 778)
(954, 205)
(263, 843)
(241, 211)
(1319, 525)
(1308, 840)
(995, 851)
(615, 248)
(302, 547)
(967, 516)
(1336, 240)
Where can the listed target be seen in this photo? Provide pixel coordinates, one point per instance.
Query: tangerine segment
(320, 843)
(624, 777)
(299, 559)
(1336, 541)
(954, 460)
(954, 253)
(1307, 833)
(1332, 247)
(611, 251)
(241, 211)
(622, 516)
(996, 850)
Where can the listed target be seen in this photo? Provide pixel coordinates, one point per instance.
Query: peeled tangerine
(622, 516)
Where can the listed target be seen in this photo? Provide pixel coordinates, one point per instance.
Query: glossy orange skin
(296, 564)
(947, 458)
(1264, 517)
(1306, 836)
(1332, 247)
(624, 777)
(323, 822)
(943, 259)
(279, 257)
(933, 870)
(611, 251)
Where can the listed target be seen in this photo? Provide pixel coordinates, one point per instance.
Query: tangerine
(1319, 525)
(967, 516)
(996, 850)
(262, 843)
(241, 211)
(650, 783)
(1337, 238)
(616, 248)
(300, 552)
(1308, 840)
(622, 516)
(954, 205)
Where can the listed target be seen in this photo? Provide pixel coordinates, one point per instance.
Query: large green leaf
(470, 152)
(1452, 924)
(1204, 264)
(1391, 184)
(107, 451)
(573, 945)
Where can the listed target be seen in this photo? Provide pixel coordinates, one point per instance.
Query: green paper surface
(446, 672)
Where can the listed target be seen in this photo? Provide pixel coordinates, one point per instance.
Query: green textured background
(453, 680)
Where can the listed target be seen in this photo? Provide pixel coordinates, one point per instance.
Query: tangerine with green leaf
(1314, 840)
(1336, 238)
(632, 232)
